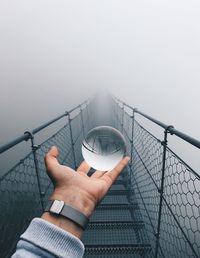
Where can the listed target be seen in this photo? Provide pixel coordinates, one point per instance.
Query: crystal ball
(103, 147)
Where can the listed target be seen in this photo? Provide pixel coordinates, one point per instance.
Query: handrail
(38, 129)
(170, 128)
(166, 188)
(9, 145)
(26, 136)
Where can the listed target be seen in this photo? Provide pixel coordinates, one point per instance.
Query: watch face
(57, 206)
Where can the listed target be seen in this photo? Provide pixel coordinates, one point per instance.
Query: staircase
(116, 228)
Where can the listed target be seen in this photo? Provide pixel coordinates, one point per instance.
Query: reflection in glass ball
(103, 147)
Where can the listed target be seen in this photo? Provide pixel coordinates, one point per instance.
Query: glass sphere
(103, 148)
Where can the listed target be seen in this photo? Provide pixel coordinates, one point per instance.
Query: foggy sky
(55, 54)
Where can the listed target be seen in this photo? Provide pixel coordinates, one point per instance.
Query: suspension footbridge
(152, 210)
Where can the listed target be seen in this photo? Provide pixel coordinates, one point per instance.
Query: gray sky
(54, 54)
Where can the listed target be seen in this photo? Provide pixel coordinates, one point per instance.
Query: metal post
(132, 135)
(34, 149)
(161, 190)
(83, 127)
(122, 122)
(116, 114)
(72, 142)
(88, 115)
(131, 142)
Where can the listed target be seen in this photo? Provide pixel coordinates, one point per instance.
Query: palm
(96, 185)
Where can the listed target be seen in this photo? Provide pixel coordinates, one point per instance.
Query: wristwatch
(60, 208)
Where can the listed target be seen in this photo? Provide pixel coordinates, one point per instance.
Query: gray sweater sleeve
(43, 239)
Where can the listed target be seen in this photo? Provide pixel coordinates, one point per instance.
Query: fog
(56, 54)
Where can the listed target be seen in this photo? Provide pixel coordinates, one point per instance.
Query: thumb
(51, 158)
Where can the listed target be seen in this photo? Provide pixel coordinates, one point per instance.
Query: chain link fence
(160, 183)
(25, 188)
(163, 185)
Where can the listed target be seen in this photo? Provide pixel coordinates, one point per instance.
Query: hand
(76, 188)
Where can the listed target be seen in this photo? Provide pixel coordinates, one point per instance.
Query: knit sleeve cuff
(53, 239)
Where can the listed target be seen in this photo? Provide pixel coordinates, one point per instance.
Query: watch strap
(59, 207)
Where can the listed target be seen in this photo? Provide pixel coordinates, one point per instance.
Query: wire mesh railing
(25, 188)
(166, 188)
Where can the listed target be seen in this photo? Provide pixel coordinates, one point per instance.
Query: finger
(98, 174)
(114, 173)
(84, 167)
(51, 158)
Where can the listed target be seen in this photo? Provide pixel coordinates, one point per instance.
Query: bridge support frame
(34, 151)
(161, 189)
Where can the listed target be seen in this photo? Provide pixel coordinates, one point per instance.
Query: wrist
(77, 199)
(64, 223)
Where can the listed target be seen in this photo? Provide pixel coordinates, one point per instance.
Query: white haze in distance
(55, 54)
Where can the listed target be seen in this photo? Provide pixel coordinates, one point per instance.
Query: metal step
(119, 251)
(116, 229)
(115, 199)
(117, 187)
(112, 233)
(113, 213)
(118, 192)
(118, 206)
